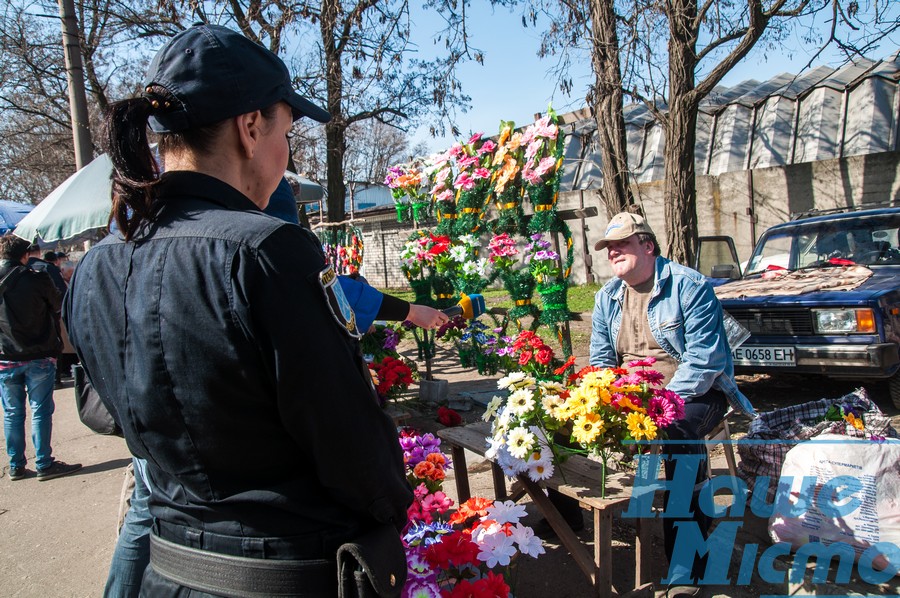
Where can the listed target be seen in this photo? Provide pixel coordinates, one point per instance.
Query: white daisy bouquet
(468, 553)
(522, 432)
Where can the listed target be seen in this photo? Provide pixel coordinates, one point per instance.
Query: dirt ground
(57, 537)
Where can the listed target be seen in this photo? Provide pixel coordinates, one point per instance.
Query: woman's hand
(426, 317)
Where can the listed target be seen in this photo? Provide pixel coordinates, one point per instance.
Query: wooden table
(579, 479)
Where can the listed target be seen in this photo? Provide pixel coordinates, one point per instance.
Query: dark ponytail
(135, 169)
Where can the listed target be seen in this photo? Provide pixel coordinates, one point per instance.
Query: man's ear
(249, 128)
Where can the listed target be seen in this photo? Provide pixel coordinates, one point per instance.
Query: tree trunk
(681, 123)
(336, 128)
(607, 103)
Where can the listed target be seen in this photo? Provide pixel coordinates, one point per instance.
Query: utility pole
(81, 130)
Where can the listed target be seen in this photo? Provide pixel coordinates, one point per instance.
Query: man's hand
(426, 317)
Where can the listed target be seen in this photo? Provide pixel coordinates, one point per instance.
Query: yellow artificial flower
(588, 427)
(854, 421)
(584, 400)
(626, 403)
(640, 426)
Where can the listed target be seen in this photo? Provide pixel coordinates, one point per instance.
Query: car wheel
(894, 388)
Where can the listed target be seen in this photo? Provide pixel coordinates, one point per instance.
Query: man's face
(631, 260)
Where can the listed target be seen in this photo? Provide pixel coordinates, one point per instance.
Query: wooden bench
(579, 479)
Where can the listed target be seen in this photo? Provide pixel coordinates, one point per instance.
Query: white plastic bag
(874, 518)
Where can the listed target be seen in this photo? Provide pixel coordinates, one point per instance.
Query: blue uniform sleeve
(364, 299)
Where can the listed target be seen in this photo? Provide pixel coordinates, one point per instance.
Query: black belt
(239, 577)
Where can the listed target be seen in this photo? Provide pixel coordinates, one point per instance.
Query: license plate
(759, 355)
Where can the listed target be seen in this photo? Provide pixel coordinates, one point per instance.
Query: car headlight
(844, 321)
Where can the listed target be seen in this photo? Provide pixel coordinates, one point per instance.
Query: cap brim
(303, 107)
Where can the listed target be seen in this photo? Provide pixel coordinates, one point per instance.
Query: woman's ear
(249, 128)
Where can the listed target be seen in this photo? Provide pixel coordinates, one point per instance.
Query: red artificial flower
(474, 507)
(562, 369)
(455, 548)
(493, 585)
(544, 355)
(449, 417)
(525, 357)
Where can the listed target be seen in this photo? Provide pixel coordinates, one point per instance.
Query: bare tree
(35, 131)
(354, 57)
(705, 39)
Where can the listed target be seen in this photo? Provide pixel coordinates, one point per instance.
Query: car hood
(756, 291)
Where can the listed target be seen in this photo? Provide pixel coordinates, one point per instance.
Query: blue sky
(513, 83)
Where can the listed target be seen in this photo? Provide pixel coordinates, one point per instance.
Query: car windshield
(868, 241)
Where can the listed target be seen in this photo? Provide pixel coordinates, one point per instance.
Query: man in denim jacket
(656, 308)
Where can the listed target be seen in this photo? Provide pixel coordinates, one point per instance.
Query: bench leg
(461, 473)
(499, 481)
(603, 552)
(641, 553)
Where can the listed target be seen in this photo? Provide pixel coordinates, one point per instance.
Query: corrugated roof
(821, 114)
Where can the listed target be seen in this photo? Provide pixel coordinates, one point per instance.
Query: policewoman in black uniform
(221, 343)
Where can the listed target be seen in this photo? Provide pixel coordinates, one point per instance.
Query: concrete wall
(724, 207)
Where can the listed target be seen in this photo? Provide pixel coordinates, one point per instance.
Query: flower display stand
(578, 478)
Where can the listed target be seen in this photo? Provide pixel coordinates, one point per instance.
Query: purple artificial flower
(391, 338)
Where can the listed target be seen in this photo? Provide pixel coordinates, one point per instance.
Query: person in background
(240, 380)
(50, 265)
(29, 344)
(656, 308)
(33, 257)
(66, 267)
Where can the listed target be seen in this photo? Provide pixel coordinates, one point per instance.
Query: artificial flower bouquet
(457, 555)
(473, 161)
(392, 377)
(409, 187)
(597, 412)
(382, 340)
(542, 163)
(552, 285)
(519, 282)
(507, 180)
(470, 273)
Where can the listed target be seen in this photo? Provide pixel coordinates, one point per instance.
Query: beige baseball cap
(621, 226)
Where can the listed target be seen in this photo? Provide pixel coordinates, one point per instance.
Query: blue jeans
(132, 553)
(36, 378)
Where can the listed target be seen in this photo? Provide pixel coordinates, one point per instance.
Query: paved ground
(56, 537)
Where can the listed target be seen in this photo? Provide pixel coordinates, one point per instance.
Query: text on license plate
(759, 355)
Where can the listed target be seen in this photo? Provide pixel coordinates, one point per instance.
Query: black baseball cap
(216, 73)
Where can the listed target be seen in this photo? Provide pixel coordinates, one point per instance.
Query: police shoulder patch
(337, 302)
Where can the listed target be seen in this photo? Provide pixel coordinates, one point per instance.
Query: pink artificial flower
(456, 150)
(474, 138)
(445, 196)
(641, 363)
(651, 377)
(437, 502)
(467, 161)
(546, 165)
(482, 173)
(464, 181)
(661, 410)
(533, 148)
(440, 186)
(487, 147)
(545, 128)
(531, 176)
